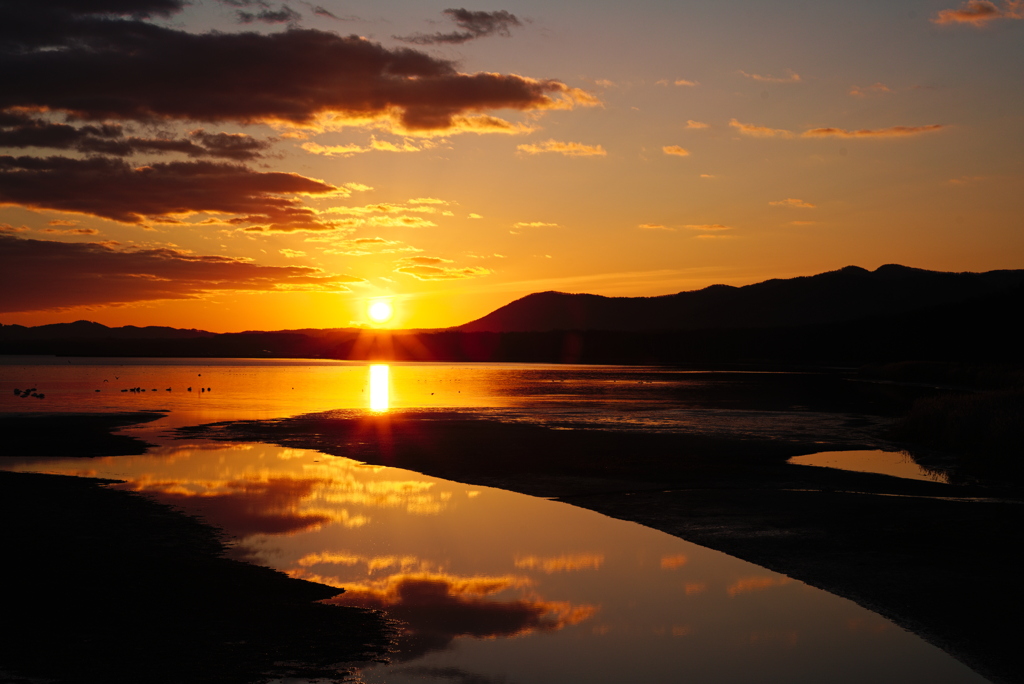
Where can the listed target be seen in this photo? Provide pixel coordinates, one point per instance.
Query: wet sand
(114, 587)
(937, 559)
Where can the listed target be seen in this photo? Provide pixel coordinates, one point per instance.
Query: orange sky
(270, 166)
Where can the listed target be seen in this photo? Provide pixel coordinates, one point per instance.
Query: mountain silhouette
(88, 330)
(833, 297)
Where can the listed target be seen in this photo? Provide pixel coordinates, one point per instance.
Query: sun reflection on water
(379, 387)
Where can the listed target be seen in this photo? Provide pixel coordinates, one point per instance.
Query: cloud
(434, 268)
(678, 82)
(564, 563)
(675, 150)
(473, 24)
(406, 145)
(113, 189)
(285, 15)
(19, 130)
(569, 149)
(244, 507)
(8, 229)
(291, 253)
(654, 226)
(791, 77)
(708, 227)
(792, 202)
(876, 89)
(45, 275)
(382, 208)
(892, 132)
(437, 608)
(69, 231)
(980, 12)
(760, 131)
(693, 125)
(673, 562)
(518, 226)
(367, 246)
(94, 66)
(752, 584)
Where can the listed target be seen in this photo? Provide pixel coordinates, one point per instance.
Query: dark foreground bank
(938, 559)
(109, 586)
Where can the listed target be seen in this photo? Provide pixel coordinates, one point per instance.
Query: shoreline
(943, 569)
(125, 589)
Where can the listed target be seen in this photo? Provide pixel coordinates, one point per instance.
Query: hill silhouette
(88, 330)
(846, 317)
(833, 297)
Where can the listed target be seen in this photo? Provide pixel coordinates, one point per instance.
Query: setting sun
(380, 312)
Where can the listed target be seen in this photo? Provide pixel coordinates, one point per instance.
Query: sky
(239, 165)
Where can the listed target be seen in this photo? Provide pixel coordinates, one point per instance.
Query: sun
(380, 311)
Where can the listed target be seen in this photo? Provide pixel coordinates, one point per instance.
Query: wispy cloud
(792, 202)
(696, 125)
(875, 89)
(708, 227)
(790, 77)
(94, 274)
(675, 150)
(891, 132)
(285, 15)
(685, 82)
(70, 231)
(569, 149)
(980, 12)
(473, 24)
(756, 131)
(655, 226)
(535, 224)
(435, 268)
(407, 145)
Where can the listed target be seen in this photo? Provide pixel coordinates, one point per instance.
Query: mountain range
(846, 317)
(848, 294)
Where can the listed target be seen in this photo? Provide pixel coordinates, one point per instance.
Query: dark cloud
(245, 507)
(474, 24)
(21, 131)
(116, 190)
(44, 275)
(285, 15)
(101, 67)
(323, 12)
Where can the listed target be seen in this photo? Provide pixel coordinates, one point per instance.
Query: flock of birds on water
(38, 395)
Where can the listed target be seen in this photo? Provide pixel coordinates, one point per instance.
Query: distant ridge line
(842, 295)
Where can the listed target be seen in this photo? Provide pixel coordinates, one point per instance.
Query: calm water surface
(493, 586)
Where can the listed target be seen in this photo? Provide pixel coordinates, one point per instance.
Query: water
(494, 586)
(894, 463)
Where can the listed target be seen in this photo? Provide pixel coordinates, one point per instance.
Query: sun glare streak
(379, 387)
